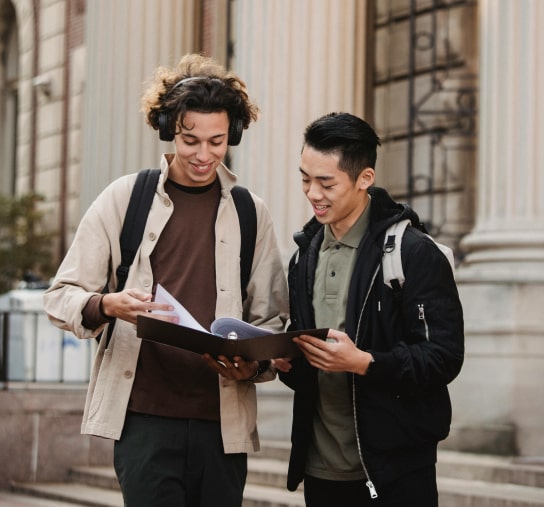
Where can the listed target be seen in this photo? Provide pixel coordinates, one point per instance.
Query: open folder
(228, 337)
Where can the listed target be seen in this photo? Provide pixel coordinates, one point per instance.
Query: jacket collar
(227, 179)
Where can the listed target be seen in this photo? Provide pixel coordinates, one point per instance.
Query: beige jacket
(84, 272)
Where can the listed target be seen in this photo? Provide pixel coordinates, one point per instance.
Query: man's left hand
(337, 354)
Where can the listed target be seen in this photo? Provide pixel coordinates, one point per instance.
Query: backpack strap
(135, 220)
(247, 216)
(393, 274)
(133, 227)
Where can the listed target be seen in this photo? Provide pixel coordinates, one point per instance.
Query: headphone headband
(192, 78)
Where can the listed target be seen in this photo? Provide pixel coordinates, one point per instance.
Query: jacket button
(152, 236)
(128, 374)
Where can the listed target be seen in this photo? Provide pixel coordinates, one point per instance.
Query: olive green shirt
(333, 453)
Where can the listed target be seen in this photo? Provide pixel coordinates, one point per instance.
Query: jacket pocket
(398, 420)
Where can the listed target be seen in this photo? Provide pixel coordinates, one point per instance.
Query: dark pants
(416, 489)
(163, 462)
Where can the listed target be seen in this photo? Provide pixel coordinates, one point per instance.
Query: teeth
(320, 208)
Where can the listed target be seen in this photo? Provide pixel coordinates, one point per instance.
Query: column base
(496, 396)
(503, 256)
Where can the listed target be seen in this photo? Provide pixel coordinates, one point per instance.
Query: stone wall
(40, 434)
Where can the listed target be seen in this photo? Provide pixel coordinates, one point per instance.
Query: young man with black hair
(183, 424)
(371, 402)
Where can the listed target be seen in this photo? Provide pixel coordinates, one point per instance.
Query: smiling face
(200, 147)
(336, 199)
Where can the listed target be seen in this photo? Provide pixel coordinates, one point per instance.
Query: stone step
(267, 472)
(256, 495)
(8, 499)
(272, 459)
(70, 492)
(453, 493)
(469, 493)
(464, 479)
(274, 449)
(487, 468)
(99, 477)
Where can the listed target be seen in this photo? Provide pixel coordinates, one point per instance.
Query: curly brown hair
(222, 91)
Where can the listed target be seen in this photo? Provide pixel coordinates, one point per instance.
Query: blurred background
(453, 88)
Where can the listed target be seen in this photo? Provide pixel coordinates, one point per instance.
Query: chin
(322, 220)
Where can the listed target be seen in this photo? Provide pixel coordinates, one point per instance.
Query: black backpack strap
(247, 216)
(134, 225)
(135, 220)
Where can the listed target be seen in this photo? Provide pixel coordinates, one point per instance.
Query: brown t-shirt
(171, 382)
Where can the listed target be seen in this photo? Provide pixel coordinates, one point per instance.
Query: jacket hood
(384, 212)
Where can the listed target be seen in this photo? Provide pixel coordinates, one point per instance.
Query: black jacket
(417, 339)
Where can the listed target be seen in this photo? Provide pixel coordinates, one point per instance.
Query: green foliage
(24, 247)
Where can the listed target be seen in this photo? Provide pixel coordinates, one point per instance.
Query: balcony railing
(32, 350)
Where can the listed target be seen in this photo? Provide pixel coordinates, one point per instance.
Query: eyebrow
(192, 136)
(322, 178)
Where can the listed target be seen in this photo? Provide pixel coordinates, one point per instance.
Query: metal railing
(32, 350)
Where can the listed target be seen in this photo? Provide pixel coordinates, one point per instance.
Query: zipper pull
(421, 311)
(372, 489)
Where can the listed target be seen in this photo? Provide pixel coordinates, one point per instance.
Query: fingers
(235, 369)
(282, 364)
(304, 339)
(130, 303)
(335, 336)
(328, 355)
(138, 294)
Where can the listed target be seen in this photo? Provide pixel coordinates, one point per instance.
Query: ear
(366, 178)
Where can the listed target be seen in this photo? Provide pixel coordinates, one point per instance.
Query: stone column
(498, 396)
(508, 239)
(313, 68)
(126, 40)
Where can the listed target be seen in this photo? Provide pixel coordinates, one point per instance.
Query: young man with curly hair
(182, 423)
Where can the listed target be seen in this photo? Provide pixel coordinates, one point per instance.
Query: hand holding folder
(229, 336)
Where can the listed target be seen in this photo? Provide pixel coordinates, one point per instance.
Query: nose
(313, 191)
(203, 152)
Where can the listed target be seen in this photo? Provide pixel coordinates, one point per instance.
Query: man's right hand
(129, 303)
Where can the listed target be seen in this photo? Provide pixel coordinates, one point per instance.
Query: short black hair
(348, 135)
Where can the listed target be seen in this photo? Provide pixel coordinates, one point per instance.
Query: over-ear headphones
(236, 125)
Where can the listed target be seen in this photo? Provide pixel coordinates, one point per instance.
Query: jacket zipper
(421, 316)
(369, 483)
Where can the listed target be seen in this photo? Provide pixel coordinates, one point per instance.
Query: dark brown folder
(250, 349)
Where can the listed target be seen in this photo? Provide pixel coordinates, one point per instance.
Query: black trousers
(416, 489)
(164, 462)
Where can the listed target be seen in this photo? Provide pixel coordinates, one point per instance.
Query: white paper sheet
(185, 318)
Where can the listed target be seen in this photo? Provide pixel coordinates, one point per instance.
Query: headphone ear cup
(164, 128)
(236, 128)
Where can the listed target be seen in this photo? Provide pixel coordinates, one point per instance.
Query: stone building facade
(453, 87)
